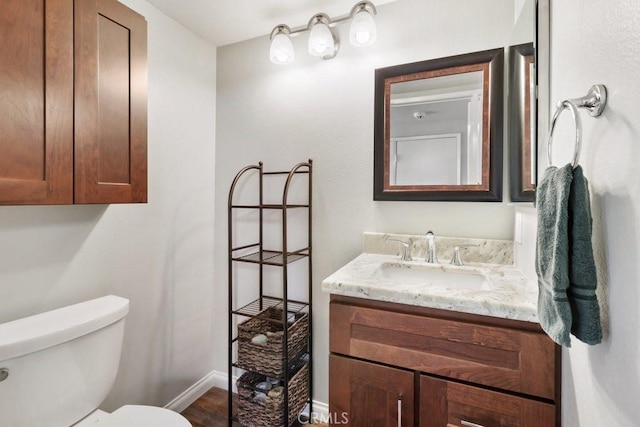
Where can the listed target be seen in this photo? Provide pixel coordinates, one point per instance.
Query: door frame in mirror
(491, 188)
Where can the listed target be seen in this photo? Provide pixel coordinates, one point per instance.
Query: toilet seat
(135, 416)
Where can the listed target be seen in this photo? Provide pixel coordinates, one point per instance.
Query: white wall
(324, 110)
(159, 255)
(598, 42)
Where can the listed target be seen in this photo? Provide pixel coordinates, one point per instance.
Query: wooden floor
(210, 410)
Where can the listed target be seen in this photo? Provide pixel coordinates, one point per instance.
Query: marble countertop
(510, 294)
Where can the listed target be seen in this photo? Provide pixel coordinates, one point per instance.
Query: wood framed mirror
(438, 129)
(522, 123)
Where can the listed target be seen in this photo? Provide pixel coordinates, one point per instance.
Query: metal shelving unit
(257, 254)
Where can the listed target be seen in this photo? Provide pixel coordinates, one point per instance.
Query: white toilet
(56, 368)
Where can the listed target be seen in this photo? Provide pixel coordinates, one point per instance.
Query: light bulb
(363, 29)
(321, 41)
(281, 51)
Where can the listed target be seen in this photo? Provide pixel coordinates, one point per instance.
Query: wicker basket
(270, 411)
(267, 359)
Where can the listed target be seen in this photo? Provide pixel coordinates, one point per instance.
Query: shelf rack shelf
(277, 258)
(256, 253)
(258, 305)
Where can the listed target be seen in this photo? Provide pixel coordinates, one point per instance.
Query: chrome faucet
(431, 256)
(406, 253)
(456, 259)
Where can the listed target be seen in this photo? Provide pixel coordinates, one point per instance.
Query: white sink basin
(428, 275)
(488, 289)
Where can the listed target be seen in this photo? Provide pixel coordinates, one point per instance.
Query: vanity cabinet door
(450, 404)
(110, 103)
(36, 102)
(367, 394)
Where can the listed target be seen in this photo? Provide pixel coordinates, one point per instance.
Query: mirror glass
(439, 129)
(430, 120)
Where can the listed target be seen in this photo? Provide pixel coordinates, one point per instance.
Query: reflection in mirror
(438, 130)
(430, 119)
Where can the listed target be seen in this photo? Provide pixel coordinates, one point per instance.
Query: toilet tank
(60, 364)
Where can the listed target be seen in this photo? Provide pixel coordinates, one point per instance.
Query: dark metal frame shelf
(260, 256)
(270, 206)
(267, 257)
(254, 307)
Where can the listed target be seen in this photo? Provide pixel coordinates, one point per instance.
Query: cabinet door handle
(399, 411)
(470, 424)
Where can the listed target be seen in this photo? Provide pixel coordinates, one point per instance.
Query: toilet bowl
(56, 369)
(134, 415)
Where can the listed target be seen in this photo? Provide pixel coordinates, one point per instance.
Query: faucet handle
(431, 257)
(457, 259)
(406, 251)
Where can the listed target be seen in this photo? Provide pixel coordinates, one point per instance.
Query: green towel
(582, 268)
(567, 277)
(552, 253)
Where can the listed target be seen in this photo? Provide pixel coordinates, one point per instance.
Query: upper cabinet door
(110, 103)
(36, 102)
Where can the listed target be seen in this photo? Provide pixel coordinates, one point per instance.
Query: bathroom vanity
(417, 349)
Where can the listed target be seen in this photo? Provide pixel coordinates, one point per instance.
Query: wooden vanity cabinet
(73, 102)
(466, 370)
(448, 403)
(368, 394)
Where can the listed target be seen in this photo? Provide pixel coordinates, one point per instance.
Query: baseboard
(190, 395)
(320, 411)
(220, 380)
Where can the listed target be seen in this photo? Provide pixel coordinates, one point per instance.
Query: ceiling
(224, 22)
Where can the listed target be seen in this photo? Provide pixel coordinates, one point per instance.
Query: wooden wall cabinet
(110, 143)
(36, 101)
(449, 369)
(73, 102)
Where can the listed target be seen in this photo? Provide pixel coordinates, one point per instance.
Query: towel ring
(595, 101)
(562, 105)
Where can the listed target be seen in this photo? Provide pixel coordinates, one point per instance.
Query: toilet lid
(145, 416)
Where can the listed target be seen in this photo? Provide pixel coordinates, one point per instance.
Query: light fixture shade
(281, 50)
(321, 41)
(363, 29)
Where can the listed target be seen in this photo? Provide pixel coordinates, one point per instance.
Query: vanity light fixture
(363, 26)
(281, 51)
(322, 40)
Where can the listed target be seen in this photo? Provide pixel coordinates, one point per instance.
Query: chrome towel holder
(595, 101)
